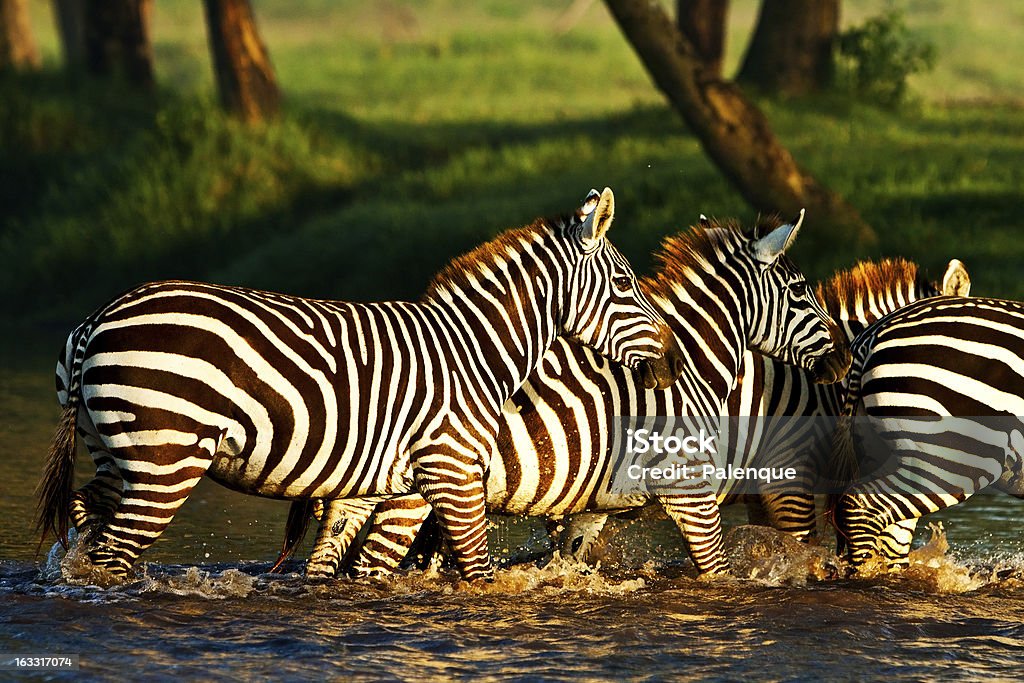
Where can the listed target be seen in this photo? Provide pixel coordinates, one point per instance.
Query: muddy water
(203, 606)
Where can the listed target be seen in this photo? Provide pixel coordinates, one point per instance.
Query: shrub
(875, 60)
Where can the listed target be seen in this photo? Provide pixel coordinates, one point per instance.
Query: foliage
(398, 151)
(875, 60)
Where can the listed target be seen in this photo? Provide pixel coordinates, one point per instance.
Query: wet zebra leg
(699, 518)
(895, 541)
(151, 496)
(453, 485)
(341, 522)
(396, 523)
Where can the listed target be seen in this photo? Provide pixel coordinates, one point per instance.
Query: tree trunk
(702, 22)
(245, 77)
(17, 46)
(791, 51)
(732, 130)
(70, 15)
(117, 40)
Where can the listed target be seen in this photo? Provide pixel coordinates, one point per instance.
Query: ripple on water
(560, 620)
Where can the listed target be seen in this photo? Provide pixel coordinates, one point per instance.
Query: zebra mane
(460, 270)
(701, 247)
(870, 280)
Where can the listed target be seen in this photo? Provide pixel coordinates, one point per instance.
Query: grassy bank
(411, 134)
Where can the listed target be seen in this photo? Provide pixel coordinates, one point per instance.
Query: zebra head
(608, 311)
(786, 320)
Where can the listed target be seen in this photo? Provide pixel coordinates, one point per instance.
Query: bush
(875, 60)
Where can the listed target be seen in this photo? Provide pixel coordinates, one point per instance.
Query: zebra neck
(709, 328)
(856, 315)
(502, 322)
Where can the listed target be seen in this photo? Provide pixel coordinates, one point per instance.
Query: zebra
(940, 385)
(721, 296)
(287, 397)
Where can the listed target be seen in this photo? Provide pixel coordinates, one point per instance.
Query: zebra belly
(357, 465)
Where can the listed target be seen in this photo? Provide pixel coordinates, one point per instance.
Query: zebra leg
(700, 520)
(152, 494)
(894, 543)
(793, 513)
(339, 526)
(455, 490)
(93, 504)
(396, 523)
(863, 520)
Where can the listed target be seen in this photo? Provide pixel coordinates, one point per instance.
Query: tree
(70, 16)
(117, 40)
(791, 50)
(245, 77)
(734, 133)
(702, 23)
(17, 46)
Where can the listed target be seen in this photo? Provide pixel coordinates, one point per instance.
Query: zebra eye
(798, 288)
(623, 282)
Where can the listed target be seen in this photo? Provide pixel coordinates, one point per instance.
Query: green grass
(412, 132)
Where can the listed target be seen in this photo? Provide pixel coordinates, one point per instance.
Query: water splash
(560, 575)
(775, 558)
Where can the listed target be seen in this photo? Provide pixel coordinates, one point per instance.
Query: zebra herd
(502, 388)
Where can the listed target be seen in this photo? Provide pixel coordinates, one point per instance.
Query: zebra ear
(773, 245)
(704, 222)
(589, 204)
(956, 281)
(599, 219)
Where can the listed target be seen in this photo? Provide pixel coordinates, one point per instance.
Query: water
(202, 605)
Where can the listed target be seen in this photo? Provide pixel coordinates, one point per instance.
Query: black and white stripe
(286, 397)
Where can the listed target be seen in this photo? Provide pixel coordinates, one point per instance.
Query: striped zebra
(285, 397)
(555, 448)
(937, 392)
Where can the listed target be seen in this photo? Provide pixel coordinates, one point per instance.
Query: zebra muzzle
(661, 373)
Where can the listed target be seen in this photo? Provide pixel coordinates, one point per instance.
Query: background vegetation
(412, 131)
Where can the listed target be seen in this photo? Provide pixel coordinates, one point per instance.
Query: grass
(413, 132)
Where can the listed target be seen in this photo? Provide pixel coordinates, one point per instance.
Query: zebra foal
(287, 397)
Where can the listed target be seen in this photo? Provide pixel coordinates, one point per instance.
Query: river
(202, 605)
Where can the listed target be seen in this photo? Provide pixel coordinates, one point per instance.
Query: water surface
(202, 604)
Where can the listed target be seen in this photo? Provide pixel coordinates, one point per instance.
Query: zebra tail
(55, 488)
(294, 530)
(844, 469)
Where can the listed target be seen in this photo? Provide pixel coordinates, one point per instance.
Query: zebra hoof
(318, 571)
